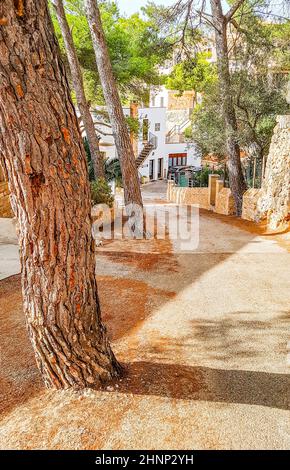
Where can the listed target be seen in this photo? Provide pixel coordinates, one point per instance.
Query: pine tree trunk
(120, 131)
(77, 79)
(42, 150)
(237, 182)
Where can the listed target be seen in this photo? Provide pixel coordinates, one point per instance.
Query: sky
(132, 6)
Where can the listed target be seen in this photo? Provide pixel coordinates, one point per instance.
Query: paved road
(224, 334)
(205, 336)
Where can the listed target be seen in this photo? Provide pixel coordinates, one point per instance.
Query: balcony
(177, 134)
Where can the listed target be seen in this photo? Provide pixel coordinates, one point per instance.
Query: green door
(183, 182)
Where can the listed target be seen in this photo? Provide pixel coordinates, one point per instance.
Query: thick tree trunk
(237, 182)
(42, 150)
(124, 147)
(77, 79)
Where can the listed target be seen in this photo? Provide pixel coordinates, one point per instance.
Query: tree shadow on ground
(207, 384)
(124, 309)
(19, 377)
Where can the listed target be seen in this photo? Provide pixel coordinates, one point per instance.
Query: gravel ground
(203, 336)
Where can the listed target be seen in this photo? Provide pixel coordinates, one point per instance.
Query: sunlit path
(204, 339)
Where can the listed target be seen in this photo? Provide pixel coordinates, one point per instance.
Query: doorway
(160, 168)
(151, 169)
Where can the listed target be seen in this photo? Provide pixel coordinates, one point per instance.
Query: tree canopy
(194, 73)
(134, 47)
(259, 67)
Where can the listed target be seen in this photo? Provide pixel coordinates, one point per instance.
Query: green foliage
(192, 74)
(257, 102)
(133, 124)
(101, 192)
(201, 178)
(133, 49)
(261, 51)
(280, 36)
(113, 171)
(112, 167)
(208, 129)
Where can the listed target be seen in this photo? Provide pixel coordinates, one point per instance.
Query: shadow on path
(206, 384)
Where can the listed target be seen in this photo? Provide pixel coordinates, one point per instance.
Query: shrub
(101, 192)
(113, 171)
(201, 178)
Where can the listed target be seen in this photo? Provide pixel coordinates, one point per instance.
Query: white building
(161, 143)
(163, 125)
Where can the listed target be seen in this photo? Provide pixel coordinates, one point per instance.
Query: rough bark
(132, 192)
(77, 80)
(237, 182)
(43, 155)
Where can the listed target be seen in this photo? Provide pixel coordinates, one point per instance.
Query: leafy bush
(113, 171)
(101, 192)
(201, 178)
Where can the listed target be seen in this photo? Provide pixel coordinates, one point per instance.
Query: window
(177, 159)
(162, 102)
(157, 126)
(153, 100)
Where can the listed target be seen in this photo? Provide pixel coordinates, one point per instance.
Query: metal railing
(176, 134)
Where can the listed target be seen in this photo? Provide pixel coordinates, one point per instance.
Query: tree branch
(233, 9)
(237, 26)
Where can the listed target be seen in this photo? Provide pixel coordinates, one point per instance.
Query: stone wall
(274, 200)
(220, 199)
(203, 197)
(196, 196)
(224, 203)
(185, 101)
(250, 202)
(214, 187)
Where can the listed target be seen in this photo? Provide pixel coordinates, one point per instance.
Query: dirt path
(203, 336)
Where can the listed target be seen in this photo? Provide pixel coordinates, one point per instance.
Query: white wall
(154, 115)
(158, 115)
(159, 98)
(110, 149)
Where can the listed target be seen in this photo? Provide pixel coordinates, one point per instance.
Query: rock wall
(184, 101)
(274, 200)
(250, 202)
(224, 203)
(198, 196)
(215, 197)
